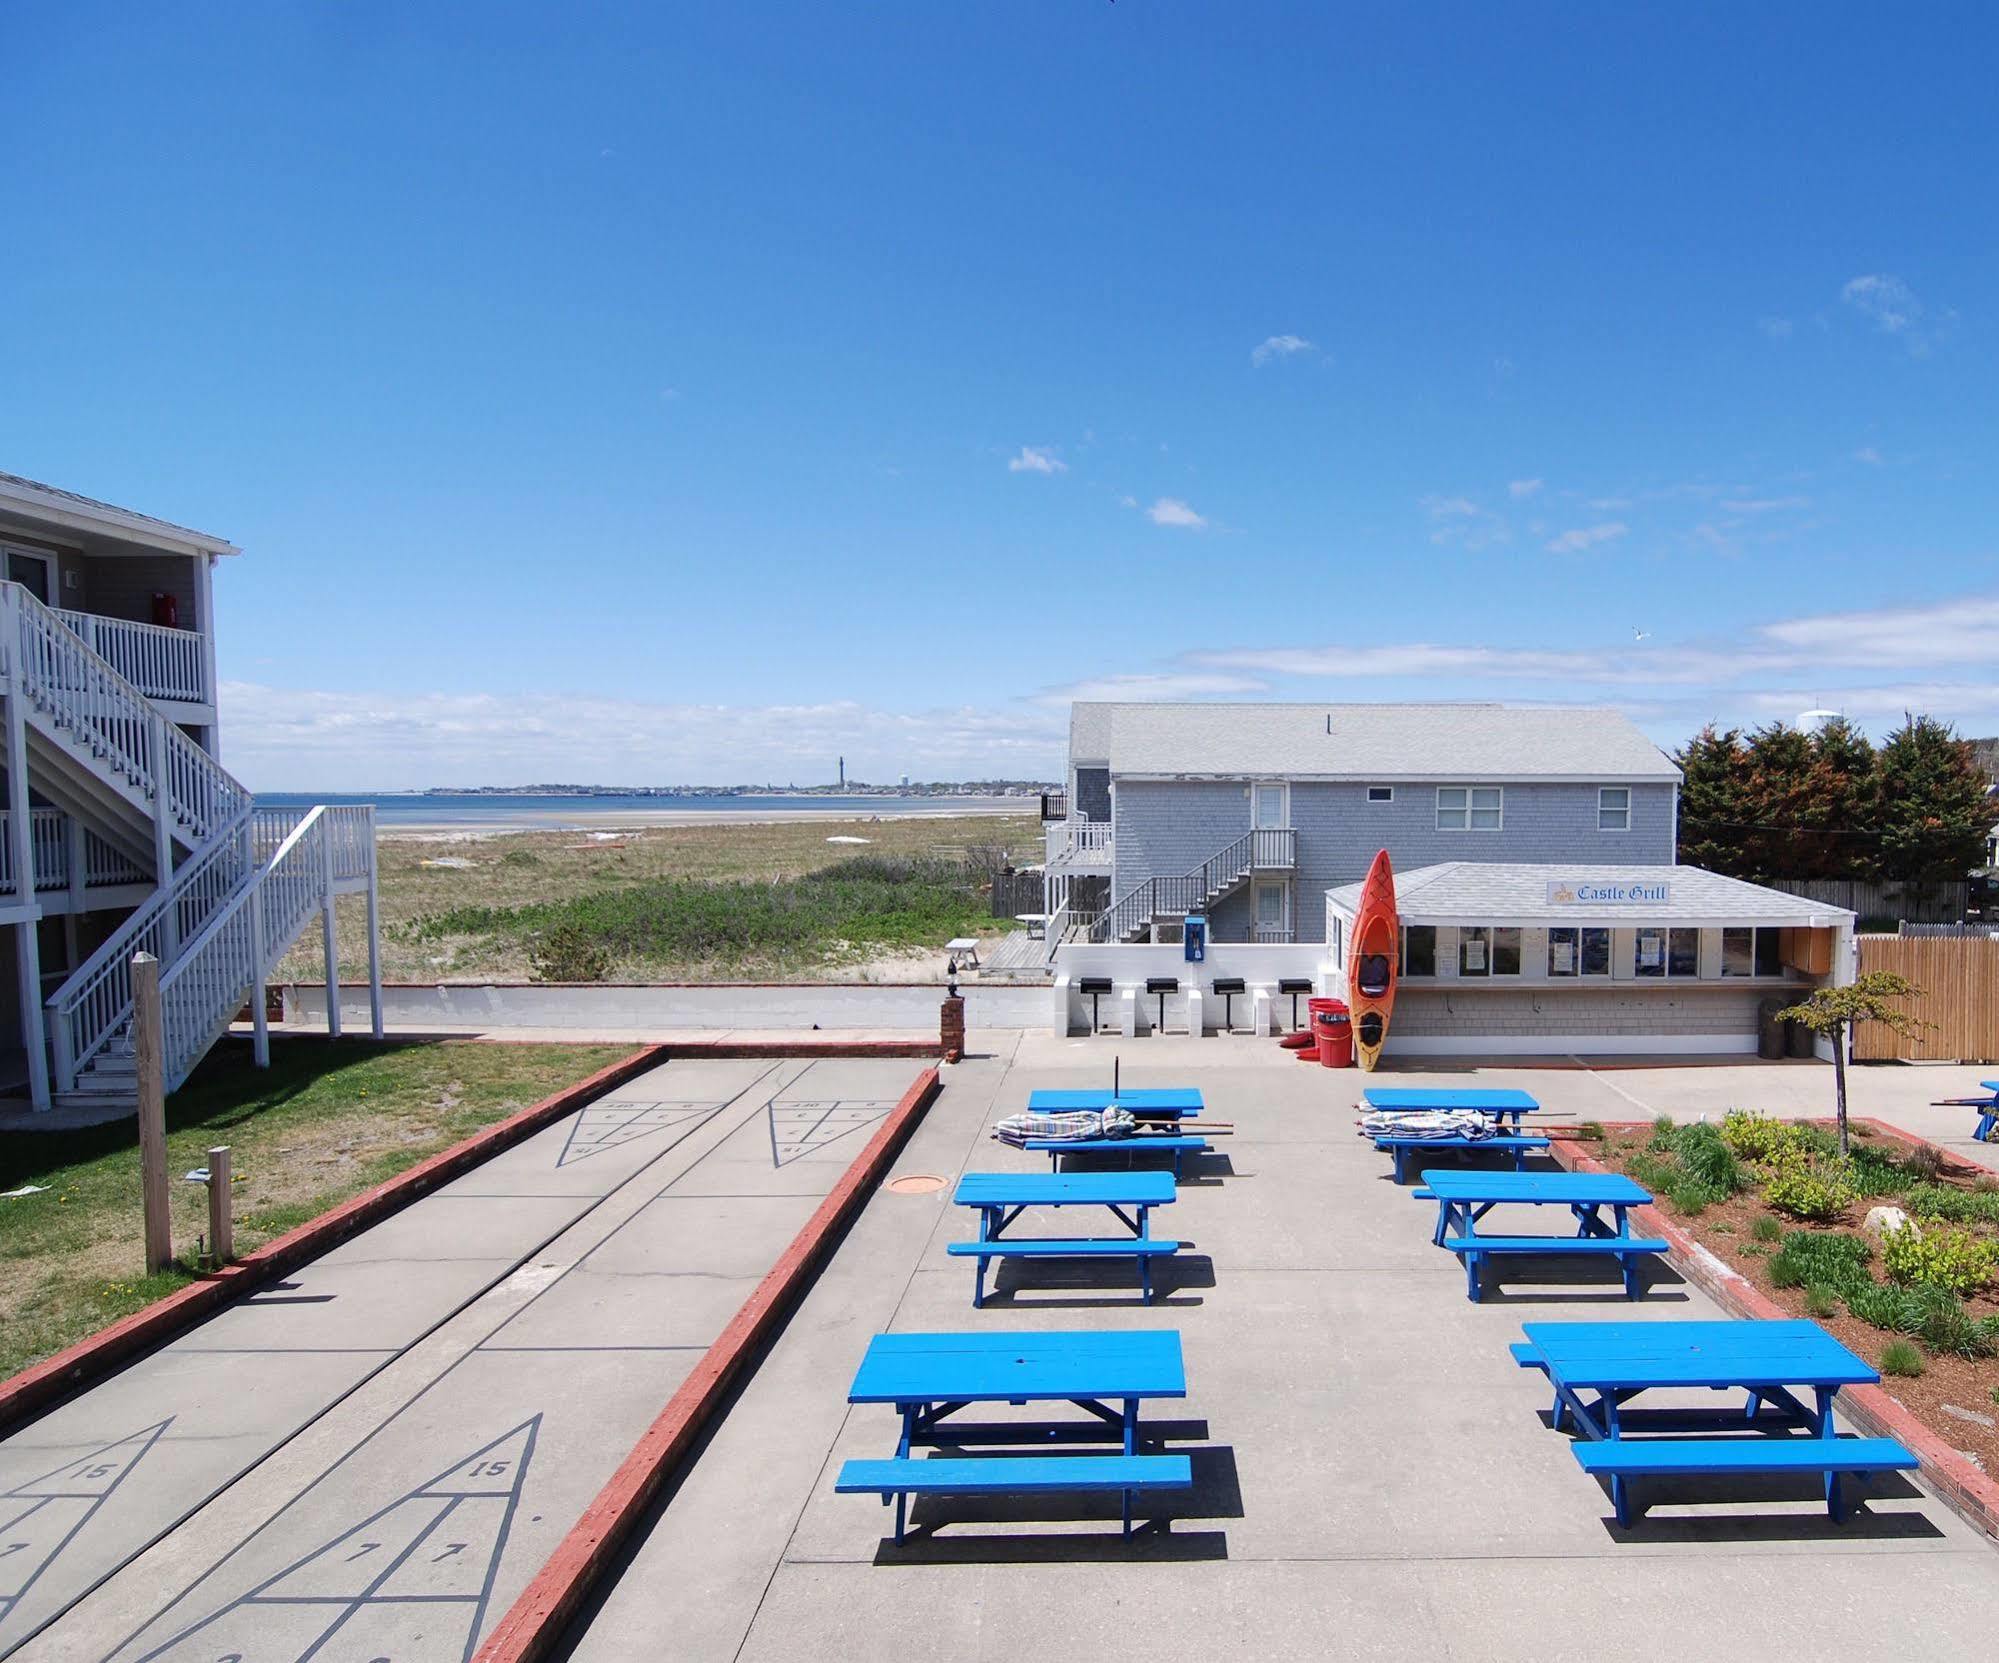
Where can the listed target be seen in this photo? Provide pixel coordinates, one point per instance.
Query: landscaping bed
(1775, 1203)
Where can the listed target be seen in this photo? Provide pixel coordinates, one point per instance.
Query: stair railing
(59, 672)
(1264, 848)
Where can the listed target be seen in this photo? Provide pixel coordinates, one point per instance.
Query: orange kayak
(1372, 957)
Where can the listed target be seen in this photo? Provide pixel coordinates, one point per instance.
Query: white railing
(61, 675)
(202, 990)
(1080, 842)
(95, 1003)
(162, 663)
(49, 832)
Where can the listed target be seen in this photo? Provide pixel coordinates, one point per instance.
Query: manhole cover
(916, 1183)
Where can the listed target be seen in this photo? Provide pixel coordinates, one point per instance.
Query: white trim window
(1381, 793)
(1270, 805)
(1270, 910)
(1613, 808)
(1419, 949)
(1488, 950)
(1750, 952)
(1471, 807)
(1664, 952)
(1578, 950)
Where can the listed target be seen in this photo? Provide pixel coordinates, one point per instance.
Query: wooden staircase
(1133, 916)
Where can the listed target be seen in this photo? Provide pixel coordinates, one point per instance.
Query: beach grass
(472, 906)
(322, 1123)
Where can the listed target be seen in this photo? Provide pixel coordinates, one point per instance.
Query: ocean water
(475, 812)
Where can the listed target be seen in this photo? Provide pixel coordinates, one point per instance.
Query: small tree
(1712, 812)
(1832, 1012)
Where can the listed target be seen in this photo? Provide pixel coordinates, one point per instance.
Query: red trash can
(1334, 1026)
(1306, 1040)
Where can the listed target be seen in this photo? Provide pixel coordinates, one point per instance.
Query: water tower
(1814, 721)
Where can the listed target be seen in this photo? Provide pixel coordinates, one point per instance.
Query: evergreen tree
(1711, 807)
(1839, 827)
(1777, 801)
(1934, 817)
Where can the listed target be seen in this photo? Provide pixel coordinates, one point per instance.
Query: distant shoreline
(612, 820)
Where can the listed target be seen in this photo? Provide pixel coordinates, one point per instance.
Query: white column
(374, 936)
(260, 1022)
(327, 936)
(204, 580)
(73, 835)
(27, 949)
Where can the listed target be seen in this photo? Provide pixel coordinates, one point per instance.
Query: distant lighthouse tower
(843, 773)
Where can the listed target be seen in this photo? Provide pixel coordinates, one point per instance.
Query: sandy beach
(613, 821)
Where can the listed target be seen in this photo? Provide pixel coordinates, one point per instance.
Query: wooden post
(221, 1208)
(150, 1046)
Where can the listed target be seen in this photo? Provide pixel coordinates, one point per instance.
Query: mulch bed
(1952, 1396)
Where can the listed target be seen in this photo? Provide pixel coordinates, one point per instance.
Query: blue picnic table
(1598, 1367)
(1501, 1104)
(1464, 1198)
(1987, 1107)
(931, 1377)
(1150, 1103)
(1001, 1197)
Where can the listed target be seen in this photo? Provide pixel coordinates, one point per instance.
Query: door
(1273, 807)
(1272, 912)
(32, 572)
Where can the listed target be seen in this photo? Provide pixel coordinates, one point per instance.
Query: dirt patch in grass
(323, 1123)
(1954, 1395)
(425, 880)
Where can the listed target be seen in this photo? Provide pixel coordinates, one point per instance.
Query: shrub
(1808, 1139)
(1592, 1130)
(1663, 1128)
(1924, 1162)
(1754, 1137)
(1879, 1305)
(568, 953)
(1901, 1358)
(1875, 1174)
(1820, 1302)
(1810, 1187)
(1703, 1153)
(1940, 1256)
(1822, 1258)
(1956, 1206)
(1943, 1324)
(1767, 1230)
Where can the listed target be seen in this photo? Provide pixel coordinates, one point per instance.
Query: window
(1273, 808)
(1336, 941)
(1747, 952)
(1469, 807)
(1576, 951)
(1485, 951)
(1668, 952)
(1381, 793)
(1419, 949)
(1613, 808)
(1474, 950)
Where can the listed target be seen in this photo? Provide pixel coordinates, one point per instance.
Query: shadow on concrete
(1810, 1523)
(1112, 1282)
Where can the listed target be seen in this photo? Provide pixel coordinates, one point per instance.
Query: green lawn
(324, 1122)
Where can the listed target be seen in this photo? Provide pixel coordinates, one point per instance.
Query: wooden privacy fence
(1886, 900)
(1959, 977)
(1018, 892)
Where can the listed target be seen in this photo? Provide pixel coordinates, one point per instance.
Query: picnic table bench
(1154, 1143)
(1987, 1107)
(1001, 1197)
(931, 1377)
(1464, 1198)
(1154, 1103)
(1403, 1147)
(1598, 1367)
(1502, 1105)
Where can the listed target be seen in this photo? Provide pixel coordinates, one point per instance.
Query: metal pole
(150, 1048)
(221, 1209)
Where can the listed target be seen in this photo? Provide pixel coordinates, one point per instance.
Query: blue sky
(644, 394)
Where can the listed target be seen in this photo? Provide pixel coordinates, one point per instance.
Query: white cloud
(1172, 511)
(1765, 505)
(1587, 537)
(1036, 459)
(1778, 329)
(1869, 455)
(1520, 489)
(281, 739)
(1888, 301)
(1163, 686)
(1274, 347)
(1955, 632)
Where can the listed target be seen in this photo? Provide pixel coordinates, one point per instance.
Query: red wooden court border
(1967, 1491)
(536, 1620)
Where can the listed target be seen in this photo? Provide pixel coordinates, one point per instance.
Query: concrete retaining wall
(830, 1005)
